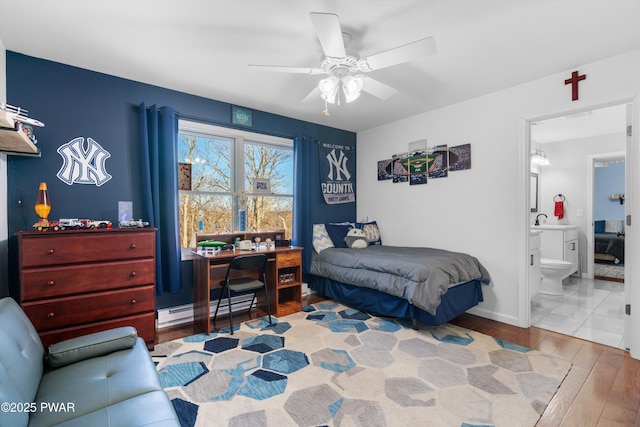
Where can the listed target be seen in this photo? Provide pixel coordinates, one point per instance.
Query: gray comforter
(419, 275)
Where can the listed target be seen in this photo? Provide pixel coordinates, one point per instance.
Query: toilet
(553, 271)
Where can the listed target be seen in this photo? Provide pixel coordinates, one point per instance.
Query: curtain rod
(224, 124)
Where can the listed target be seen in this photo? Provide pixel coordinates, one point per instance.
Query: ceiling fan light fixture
(352, 86)
(329, 88)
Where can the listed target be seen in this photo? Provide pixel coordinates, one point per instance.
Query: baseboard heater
(184, 313)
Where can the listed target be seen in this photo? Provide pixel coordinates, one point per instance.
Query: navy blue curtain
(302, 219)
(159, 165)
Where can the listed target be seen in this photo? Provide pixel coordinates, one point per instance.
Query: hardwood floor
(602, 388)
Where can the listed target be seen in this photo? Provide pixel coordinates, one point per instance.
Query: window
(238, 179)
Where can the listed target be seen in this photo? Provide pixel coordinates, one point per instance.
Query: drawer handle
(132, 246)
(132, 274)
(133, 301)
(51, 283)
(50, 316)
(50, 251)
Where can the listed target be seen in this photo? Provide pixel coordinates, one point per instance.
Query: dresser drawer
(70, 311)
(79, 247)
(145, 324)
(47, 282)
(288, 259)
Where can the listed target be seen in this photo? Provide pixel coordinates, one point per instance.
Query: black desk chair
(243, 285)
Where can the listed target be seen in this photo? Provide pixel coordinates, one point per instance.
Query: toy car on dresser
(134, 223)
(71, 224)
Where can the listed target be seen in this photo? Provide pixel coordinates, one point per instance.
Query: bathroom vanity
(560, 242)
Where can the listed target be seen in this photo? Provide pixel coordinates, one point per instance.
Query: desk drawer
(288, 259)
(61, 312)
(49, 282)
(82, 247)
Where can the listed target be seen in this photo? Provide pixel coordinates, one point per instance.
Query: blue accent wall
(608, 181)
(74, 102)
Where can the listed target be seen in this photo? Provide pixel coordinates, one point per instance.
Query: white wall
(4, 290)
(568, 175)
(481, 211)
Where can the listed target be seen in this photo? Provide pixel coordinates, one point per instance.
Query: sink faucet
(538, 218)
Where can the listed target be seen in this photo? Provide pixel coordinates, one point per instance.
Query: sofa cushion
(87, 346)
(152, 409)
(101, 385)
(21, 355)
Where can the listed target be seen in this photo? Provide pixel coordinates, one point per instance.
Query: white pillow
(613, 226)
(321, 239)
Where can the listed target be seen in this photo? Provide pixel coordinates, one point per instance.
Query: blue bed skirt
(456, 301)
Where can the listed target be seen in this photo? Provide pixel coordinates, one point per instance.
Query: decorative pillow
(321, 239)
(598, 226)
(613, 226)
(371, 230)
(92, 345)
(356, 239)
(337, 233)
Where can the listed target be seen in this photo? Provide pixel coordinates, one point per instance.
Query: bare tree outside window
(269, 212)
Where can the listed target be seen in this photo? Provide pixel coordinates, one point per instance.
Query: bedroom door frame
(591, 159)
(632, 297)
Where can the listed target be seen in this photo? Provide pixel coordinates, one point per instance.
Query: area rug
(335, 366)
(608, 270)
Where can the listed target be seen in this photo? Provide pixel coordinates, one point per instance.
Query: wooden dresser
(82, 281)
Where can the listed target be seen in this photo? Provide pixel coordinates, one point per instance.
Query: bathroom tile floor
(589, 309)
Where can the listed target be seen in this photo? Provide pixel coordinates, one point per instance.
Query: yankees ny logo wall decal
(83, 162)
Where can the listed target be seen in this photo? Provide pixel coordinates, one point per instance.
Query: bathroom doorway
(609, 184)
(574, 145)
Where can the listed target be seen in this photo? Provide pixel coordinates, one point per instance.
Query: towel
(559, 210)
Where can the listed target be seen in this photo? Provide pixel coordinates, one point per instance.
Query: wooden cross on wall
(573, 81)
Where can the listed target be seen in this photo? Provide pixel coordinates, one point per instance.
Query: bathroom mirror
(534, 192)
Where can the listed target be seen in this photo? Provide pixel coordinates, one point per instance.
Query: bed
(428, 285)
(609, 241)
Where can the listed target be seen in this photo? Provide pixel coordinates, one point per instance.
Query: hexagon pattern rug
(331, 365)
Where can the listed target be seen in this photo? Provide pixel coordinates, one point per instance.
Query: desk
(284, 281)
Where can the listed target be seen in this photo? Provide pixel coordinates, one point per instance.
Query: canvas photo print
(385, 170)
(460, 157)
(399, 164)
(440, 165)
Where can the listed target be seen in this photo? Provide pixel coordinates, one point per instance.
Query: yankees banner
(336, 170)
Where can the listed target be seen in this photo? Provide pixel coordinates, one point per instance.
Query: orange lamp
(43, 206)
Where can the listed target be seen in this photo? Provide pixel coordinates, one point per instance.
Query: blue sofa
(101, 379)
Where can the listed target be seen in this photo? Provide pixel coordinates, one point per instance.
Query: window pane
(269, 161)
(270, 213)
(210, 160)
(223, 165)
(213, 210)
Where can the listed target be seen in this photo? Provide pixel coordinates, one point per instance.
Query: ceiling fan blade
(399, 55)
(329, 33)
(376, 88)
(314, 95)
(284, 69)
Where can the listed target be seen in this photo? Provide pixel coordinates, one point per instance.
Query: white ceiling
(204, 47)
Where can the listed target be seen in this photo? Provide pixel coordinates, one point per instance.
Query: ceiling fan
(345, 70)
